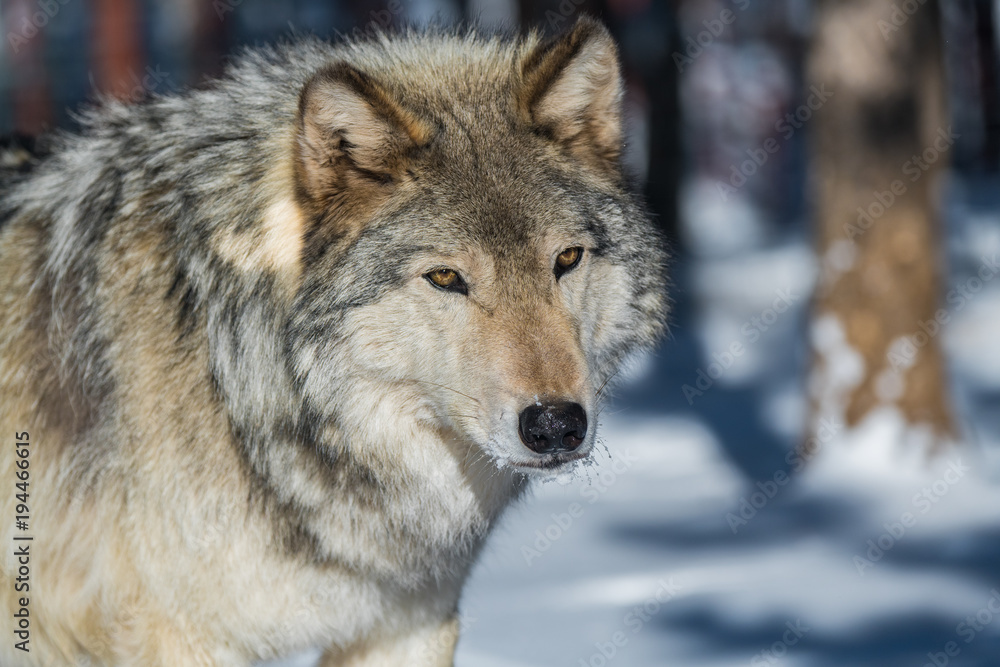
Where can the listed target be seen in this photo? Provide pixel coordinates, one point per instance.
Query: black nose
(558, 427)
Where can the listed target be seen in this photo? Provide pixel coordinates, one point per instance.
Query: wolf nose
(559, 427)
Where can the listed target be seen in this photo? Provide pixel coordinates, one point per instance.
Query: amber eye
(447, 279)
(567, 260)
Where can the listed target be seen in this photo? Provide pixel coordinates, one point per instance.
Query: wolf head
(470, 257)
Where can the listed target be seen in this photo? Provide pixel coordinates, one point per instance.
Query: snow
(793, 560)
(750, 299)
(971, 340)
(715, 225)
(839, 258)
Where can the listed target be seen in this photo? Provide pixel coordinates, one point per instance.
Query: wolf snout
(556, 427)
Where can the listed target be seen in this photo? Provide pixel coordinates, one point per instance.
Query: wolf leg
(426, 647)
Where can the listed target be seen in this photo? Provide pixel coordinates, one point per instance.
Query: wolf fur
(255, 425)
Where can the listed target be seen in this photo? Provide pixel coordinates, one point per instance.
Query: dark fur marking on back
(184, 293)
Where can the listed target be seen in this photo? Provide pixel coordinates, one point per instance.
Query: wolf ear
(572, 90)
(351, 133)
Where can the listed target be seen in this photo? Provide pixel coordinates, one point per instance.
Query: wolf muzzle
(557, 427)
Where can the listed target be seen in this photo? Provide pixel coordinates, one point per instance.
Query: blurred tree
(879, 143)
(26, 49)
(985, 20)
(117, 48)
(210, 41)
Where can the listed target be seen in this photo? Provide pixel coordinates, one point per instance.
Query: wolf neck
(395, 499)
(378, 510)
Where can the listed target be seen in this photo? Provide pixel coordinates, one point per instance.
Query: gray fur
(186, 170)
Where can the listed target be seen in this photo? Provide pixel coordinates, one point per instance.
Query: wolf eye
(567, 260)
(447, 279)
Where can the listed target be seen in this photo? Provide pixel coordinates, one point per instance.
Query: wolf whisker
(605, 383)
(471, 398)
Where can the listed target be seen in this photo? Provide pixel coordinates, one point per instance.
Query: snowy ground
(688, 545)
(672, 558)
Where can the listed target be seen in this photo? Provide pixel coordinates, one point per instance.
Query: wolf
(276, 354)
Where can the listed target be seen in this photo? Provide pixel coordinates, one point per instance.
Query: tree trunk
(25, 39)
(117, 49)
(880, 139)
